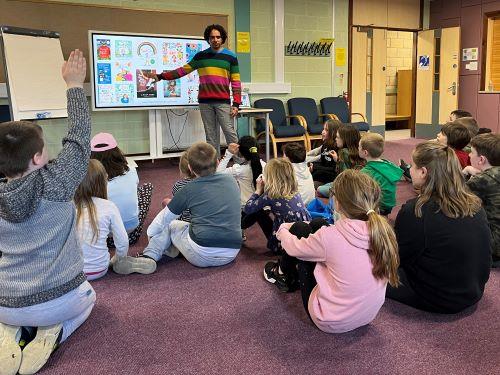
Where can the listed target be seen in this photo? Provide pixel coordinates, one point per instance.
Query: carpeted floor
(228, 320)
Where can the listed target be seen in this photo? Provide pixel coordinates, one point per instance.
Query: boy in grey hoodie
(296, 153)
(42, 283)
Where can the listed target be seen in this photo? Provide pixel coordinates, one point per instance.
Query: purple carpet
(228, 320)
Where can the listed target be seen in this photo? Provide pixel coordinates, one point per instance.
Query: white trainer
(127, 265)
(38, 351)
(10, 351)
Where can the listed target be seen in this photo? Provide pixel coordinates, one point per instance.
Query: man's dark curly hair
(217, 27)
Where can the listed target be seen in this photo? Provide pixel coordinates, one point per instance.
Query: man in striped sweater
(218, 69)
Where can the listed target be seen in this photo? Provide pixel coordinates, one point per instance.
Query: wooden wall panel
(369, 13)
(73, 21)
(379, 60)
(359, 71)
(404, 14)
(425, 46)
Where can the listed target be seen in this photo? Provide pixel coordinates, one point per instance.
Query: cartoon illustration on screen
(172, 54)
(105, 95)
(103, 74)
(146, 87)
(123, 49)
(146, 51)
(192, 93)
(172, 89)
(123, 71)
(191, 50)
(103, 49)
(124, 93)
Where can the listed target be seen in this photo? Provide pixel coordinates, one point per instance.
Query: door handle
(453, 88)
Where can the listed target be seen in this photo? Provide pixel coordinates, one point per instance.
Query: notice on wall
(340, 57)
(424, 62)
(470, 54)
(243, 42)
(471, 65)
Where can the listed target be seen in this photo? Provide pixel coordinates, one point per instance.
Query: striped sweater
(41, 256)
(217, 70)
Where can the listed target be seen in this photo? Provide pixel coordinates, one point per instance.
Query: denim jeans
(216, 117)
(71, 309)
(174, 239)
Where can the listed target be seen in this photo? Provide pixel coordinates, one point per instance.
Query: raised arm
(235, 86)
(63, 175)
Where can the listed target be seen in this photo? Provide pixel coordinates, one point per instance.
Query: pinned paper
(340, 57)
(423, 62)
(471, 66)
(470, 54)
(243, 42)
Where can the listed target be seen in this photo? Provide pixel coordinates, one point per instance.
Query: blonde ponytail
(383, 249)
(358, 196)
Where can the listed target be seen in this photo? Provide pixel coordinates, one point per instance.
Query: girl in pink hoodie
(352, 260)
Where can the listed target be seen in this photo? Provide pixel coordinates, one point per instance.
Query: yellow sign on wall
(340, 56)
(243, 42)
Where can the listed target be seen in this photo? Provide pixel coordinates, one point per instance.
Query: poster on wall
(469, 54)
(424, 62)
(120, 63)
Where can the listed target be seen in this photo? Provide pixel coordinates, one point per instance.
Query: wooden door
(359, 72)
(437, 79)
(378, 76)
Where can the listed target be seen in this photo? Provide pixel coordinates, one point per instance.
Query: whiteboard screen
(36, 88)
(119, 59)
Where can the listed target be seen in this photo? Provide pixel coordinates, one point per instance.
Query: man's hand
(311, 167)
(150, 75)
(470, 170)
(75, 69)
(233, 148)
(234, 111)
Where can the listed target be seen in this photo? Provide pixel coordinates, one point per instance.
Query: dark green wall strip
(242, 23)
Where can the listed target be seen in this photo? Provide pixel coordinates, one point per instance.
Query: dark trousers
(404, 293)
(262, 218)
(301, 270)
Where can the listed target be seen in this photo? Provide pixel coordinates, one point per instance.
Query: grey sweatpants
(215, 117)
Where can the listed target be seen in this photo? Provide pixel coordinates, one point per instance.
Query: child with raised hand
(278, 189)
(387, 174)
(246, 175)
(323, 166)
(186, 177)
(41, 268)
(347, 141)
(443, 236)
(342, 269)
(485, 183)
(456, 136)
(296, 153)
(122, 178)
(96, 218)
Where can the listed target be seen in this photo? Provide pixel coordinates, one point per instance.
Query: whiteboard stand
(256, 112)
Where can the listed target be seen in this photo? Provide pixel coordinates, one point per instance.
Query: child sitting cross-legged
(387, 174)
(456, 136)
(296, 153)
(97, 217)
(42, 284)
(278, 189)
(342, 269)
(213, 237)
(246, 169)
(485, 183)
(186, 177)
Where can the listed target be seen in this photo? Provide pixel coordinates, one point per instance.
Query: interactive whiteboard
(33, 61)
(120, 59)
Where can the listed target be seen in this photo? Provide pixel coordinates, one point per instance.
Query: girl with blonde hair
(343, 269)
(278, 189)
(443, 236)
(97, 217)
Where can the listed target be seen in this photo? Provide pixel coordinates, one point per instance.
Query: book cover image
(103, 49)
(192, 94)
(105, 95)
(172, 89)
(192, 49)
(172, 54)
(146, 87)
(146, 52)
(103, 74)
(123, 49)
(123, 71)
(124, 93)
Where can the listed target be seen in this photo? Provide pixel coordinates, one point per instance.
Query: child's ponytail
(248, 149)
(383, 248)
(358, 197)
